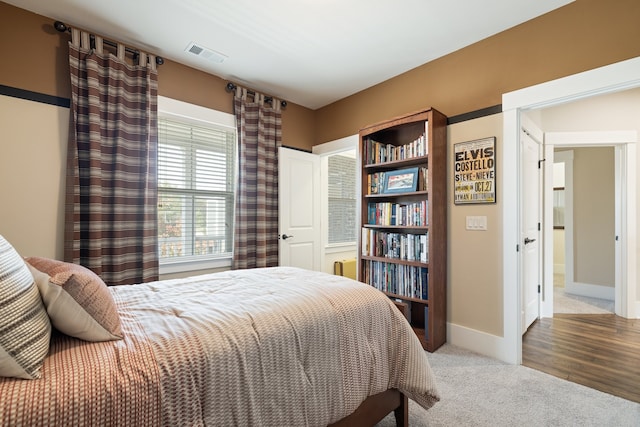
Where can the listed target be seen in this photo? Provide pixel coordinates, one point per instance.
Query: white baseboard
(592, 291)
(637, 313)
(478, 341)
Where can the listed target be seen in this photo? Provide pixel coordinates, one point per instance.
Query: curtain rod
(232, 87)
(62, 27)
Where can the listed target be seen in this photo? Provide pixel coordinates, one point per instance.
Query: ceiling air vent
(205, 53)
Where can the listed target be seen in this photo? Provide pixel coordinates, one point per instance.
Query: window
(342, 198)
(196, 183)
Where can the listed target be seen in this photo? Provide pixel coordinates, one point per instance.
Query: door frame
(620, 141)
(615, 77)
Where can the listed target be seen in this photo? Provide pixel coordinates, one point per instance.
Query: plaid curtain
(256, 219)
(110, 218)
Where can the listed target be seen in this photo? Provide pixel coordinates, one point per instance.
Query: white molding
(591, 139)
(611, 78)
(168, 107)
(343, 144)
(478, 341)
(183, 266)
(591, 291)
(336, 249)
(512, 294)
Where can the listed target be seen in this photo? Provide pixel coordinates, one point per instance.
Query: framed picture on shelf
(400, 181)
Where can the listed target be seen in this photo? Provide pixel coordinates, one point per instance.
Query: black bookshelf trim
(35, 96)
(475, 114)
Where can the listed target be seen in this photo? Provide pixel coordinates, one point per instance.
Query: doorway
(603, 80)
(584, 267)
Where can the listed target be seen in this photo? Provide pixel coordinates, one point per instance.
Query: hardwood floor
(601, 351)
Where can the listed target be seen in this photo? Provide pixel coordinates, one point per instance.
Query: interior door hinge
(517, 248)
(540, 163)
(538, 226)
(538, 288)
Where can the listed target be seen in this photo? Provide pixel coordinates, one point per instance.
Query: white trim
(628, 230)
(511, 303)
(343, 144)
(478, 341)
(183, 266)
(337, 248)
(168, 107)
(194, 114)
(591, 291)
(546, 301)
(591, 139)
(615, 77)
(611, 78)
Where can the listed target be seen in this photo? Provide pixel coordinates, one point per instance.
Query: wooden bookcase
(399, 223)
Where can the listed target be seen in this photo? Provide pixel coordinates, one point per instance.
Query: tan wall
(35, 58)
(32, 177)
(474, 292)
(594, 216)
(580, 36)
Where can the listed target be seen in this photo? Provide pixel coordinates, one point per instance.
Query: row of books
(378, 152)
(404, 246)
(376, 181)
(412, 214)
(397, 279)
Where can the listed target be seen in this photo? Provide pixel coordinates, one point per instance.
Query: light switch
(477, 222)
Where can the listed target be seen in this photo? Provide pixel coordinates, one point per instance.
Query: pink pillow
(78, 302)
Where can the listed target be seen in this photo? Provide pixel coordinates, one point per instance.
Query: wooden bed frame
(375, 408)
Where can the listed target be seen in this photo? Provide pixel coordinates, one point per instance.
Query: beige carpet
(482, 392)
(575, 304)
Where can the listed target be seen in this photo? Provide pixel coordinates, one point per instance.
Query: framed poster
(400, 181)
(474, 176)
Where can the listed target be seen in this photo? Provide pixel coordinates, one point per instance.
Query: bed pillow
(77, 300)
(25, 329)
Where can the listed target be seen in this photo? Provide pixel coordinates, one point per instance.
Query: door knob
(528, 240)
(285, 237)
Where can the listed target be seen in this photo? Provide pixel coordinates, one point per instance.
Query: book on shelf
(403, 246)
(375, 183)
(378, 152)
(411, 214)
(404, 280)
(423, 179)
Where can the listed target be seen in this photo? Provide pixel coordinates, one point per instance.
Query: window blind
(342, 199)
(196, 183)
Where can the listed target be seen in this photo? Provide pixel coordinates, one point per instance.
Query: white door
(299, 206)
(530, 229)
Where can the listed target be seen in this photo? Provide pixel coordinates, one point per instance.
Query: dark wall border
(66, 103)
(35, 96)
(475, 114)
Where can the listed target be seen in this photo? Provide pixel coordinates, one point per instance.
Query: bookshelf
(403, 223)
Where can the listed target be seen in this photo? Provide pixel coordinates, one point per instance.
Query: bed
(270, 347)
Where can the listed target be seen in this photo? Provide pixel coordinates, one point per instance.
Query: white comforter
(264, 347)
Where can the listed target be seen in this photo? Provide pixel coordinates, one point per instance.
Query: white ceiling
(310, 52)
